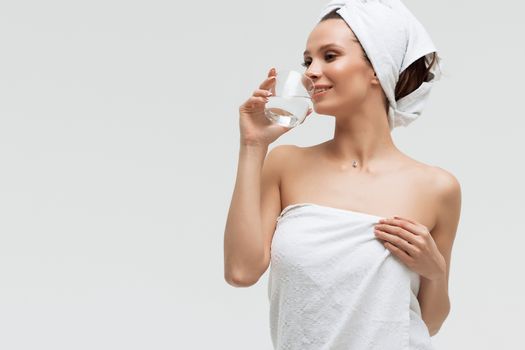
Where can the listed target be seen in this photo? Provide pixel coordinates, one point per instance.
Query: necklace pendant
(354, 164)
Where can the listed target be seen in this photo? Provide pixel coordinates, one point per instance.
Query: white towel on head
(393, 39)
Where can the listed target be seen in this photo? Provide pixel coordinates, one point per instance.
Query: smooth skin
(421, 203)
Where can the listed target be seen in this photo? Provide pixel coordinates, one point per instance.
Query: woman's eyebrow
(324, 47)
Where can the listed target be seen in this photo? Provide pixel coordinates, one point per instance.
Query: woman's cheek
(353, 91)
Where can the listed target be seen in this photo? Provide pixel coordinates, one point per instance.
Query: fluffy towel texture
(393, 39)
(334, 286)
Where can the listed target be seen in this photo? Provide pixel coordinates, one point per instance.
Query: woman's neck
(362, 139)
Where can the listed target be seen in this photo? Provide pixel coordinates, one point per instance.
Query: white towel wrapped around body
(334, 286)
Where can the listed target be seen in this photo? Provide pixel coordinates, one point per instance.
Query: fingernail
(269, 93)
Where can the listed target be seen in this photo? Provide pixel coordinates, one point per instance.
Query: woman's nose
(312, 72)
(312, 75)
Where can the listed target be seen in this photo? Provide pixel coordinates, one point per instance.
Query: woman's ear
(375, 80)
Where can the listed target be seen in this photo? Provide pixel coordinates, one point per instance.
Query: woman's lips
(321, 93)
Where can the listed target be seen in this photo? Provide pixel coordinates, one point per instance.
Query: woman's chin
(319, 108)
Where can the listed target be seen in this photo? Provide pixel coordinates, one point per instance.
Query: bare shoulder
(440, 180)
(282, 151)
(440, 188)
(282, 155)
(445, 183)
(445, 191)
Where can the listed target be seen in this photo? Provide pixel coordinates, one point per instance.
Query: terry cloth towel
(393, 39)
(333, 285)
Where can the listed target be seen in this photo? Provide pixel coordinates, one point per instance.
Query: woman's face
(333, 57)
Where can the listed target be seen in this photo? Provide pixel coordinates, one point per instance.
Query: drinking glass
(291, 98)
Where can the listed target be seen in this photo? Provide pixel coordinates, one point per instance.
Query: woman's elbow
(239, 281)
(433, 331)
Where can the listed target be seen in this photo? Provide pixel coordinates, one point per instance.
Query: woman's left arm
(428, 253)
(433, 293)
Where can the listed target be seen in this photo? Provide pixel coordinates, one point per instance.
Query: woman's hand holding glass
(255, 127)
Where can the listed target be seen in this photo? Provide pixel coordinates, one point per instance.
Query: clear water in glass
(287, 111)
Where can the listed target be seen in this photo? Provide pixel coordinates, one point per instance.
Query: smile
(320, 93)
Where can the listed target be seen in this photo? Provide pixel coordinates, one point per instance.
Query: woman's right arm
(255, 201)
(252, 216)
(243, 238)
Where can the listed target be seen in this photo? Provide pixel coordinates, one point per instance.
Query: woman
(341, 277)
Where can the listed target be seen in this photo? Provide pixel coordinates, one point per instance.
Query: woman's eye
(328, 55)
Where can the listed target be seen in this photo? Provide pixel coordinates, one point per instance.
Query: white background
(119, 143)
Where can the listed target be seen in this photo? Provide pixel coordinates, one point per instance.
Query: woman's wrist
(254, 145)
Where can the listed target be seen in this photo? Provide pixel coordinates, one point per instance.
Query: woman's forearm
(434, 301)
(243, 239)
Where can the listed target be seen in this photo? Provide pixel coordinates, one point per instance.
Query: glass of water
(291, 98)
